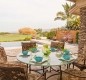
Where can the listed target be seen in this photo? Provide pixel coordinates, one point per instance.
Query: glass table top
(51, 60)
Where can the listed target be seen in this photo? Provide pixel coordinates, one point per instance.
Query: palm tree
(64, 15)
(72, 20)
(75, 23)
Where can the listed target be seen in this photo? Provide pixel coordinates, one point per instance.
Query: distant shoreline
(18, 32)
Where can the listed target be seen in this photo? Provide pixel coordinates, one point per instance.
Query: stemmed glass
(46, 51)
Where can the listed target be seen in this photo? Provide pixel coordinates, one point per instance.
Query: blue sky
(15, 14)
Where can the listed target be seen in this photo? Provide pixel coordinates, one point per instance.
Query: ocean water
(14, 44)
(10, 44)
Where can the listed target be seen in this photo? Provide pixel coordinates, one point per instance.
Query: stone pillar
(82, 34)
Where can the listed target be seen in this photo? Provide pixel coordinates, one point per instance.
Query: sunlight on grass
(13, 37)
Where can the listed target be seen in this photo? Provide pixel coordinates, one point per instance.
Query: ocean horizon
(17, 31)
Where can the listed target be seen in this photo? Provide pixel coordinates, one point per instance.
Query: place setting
(34, 50)
(42, 56)
(38, 59)
(25, 53)
(65, 55)
(53, 49)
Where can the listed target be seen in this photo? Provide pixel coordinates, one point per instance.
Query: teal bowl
(38, 58)
(25, 52)
(53, 49)
(66, 57)
(34, 50)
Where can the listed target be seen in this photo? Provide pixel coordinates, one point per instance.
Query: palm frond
(60, 14)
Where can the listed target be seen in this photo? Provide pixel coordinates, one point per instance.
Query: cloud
(37, 13)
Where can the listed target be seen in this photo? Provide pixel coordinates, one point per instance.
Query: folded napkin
(43, 61)
(62, 59)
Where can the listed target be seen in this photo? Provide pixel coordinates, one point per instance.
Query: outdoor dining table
(51, 60)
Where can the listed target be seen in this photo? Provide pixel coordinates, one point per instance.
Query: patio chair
(14, 70)
(28, 45)
(81, 66)
(81, 62)
(73, 74)
(57, 44)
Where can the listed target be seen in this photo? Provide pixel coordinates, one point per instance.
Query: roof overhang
(75, 10)
(72, 0)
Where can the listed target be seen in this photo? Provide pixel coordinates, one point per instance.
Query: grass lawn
(13, 37)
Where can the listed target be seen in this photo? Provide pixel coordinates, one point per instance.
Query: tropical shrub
(73, 21)
(38, 36)
(39, 31)
(27, 30)
(45, 33)
(2, 33)
(27, 38)
(51, 34)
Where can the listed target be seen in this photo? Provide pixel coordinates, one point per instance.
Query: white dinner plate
(43, 61)
(61, 58)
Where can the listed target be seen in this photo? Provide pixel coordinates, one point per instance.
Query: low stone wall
(67, 35)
